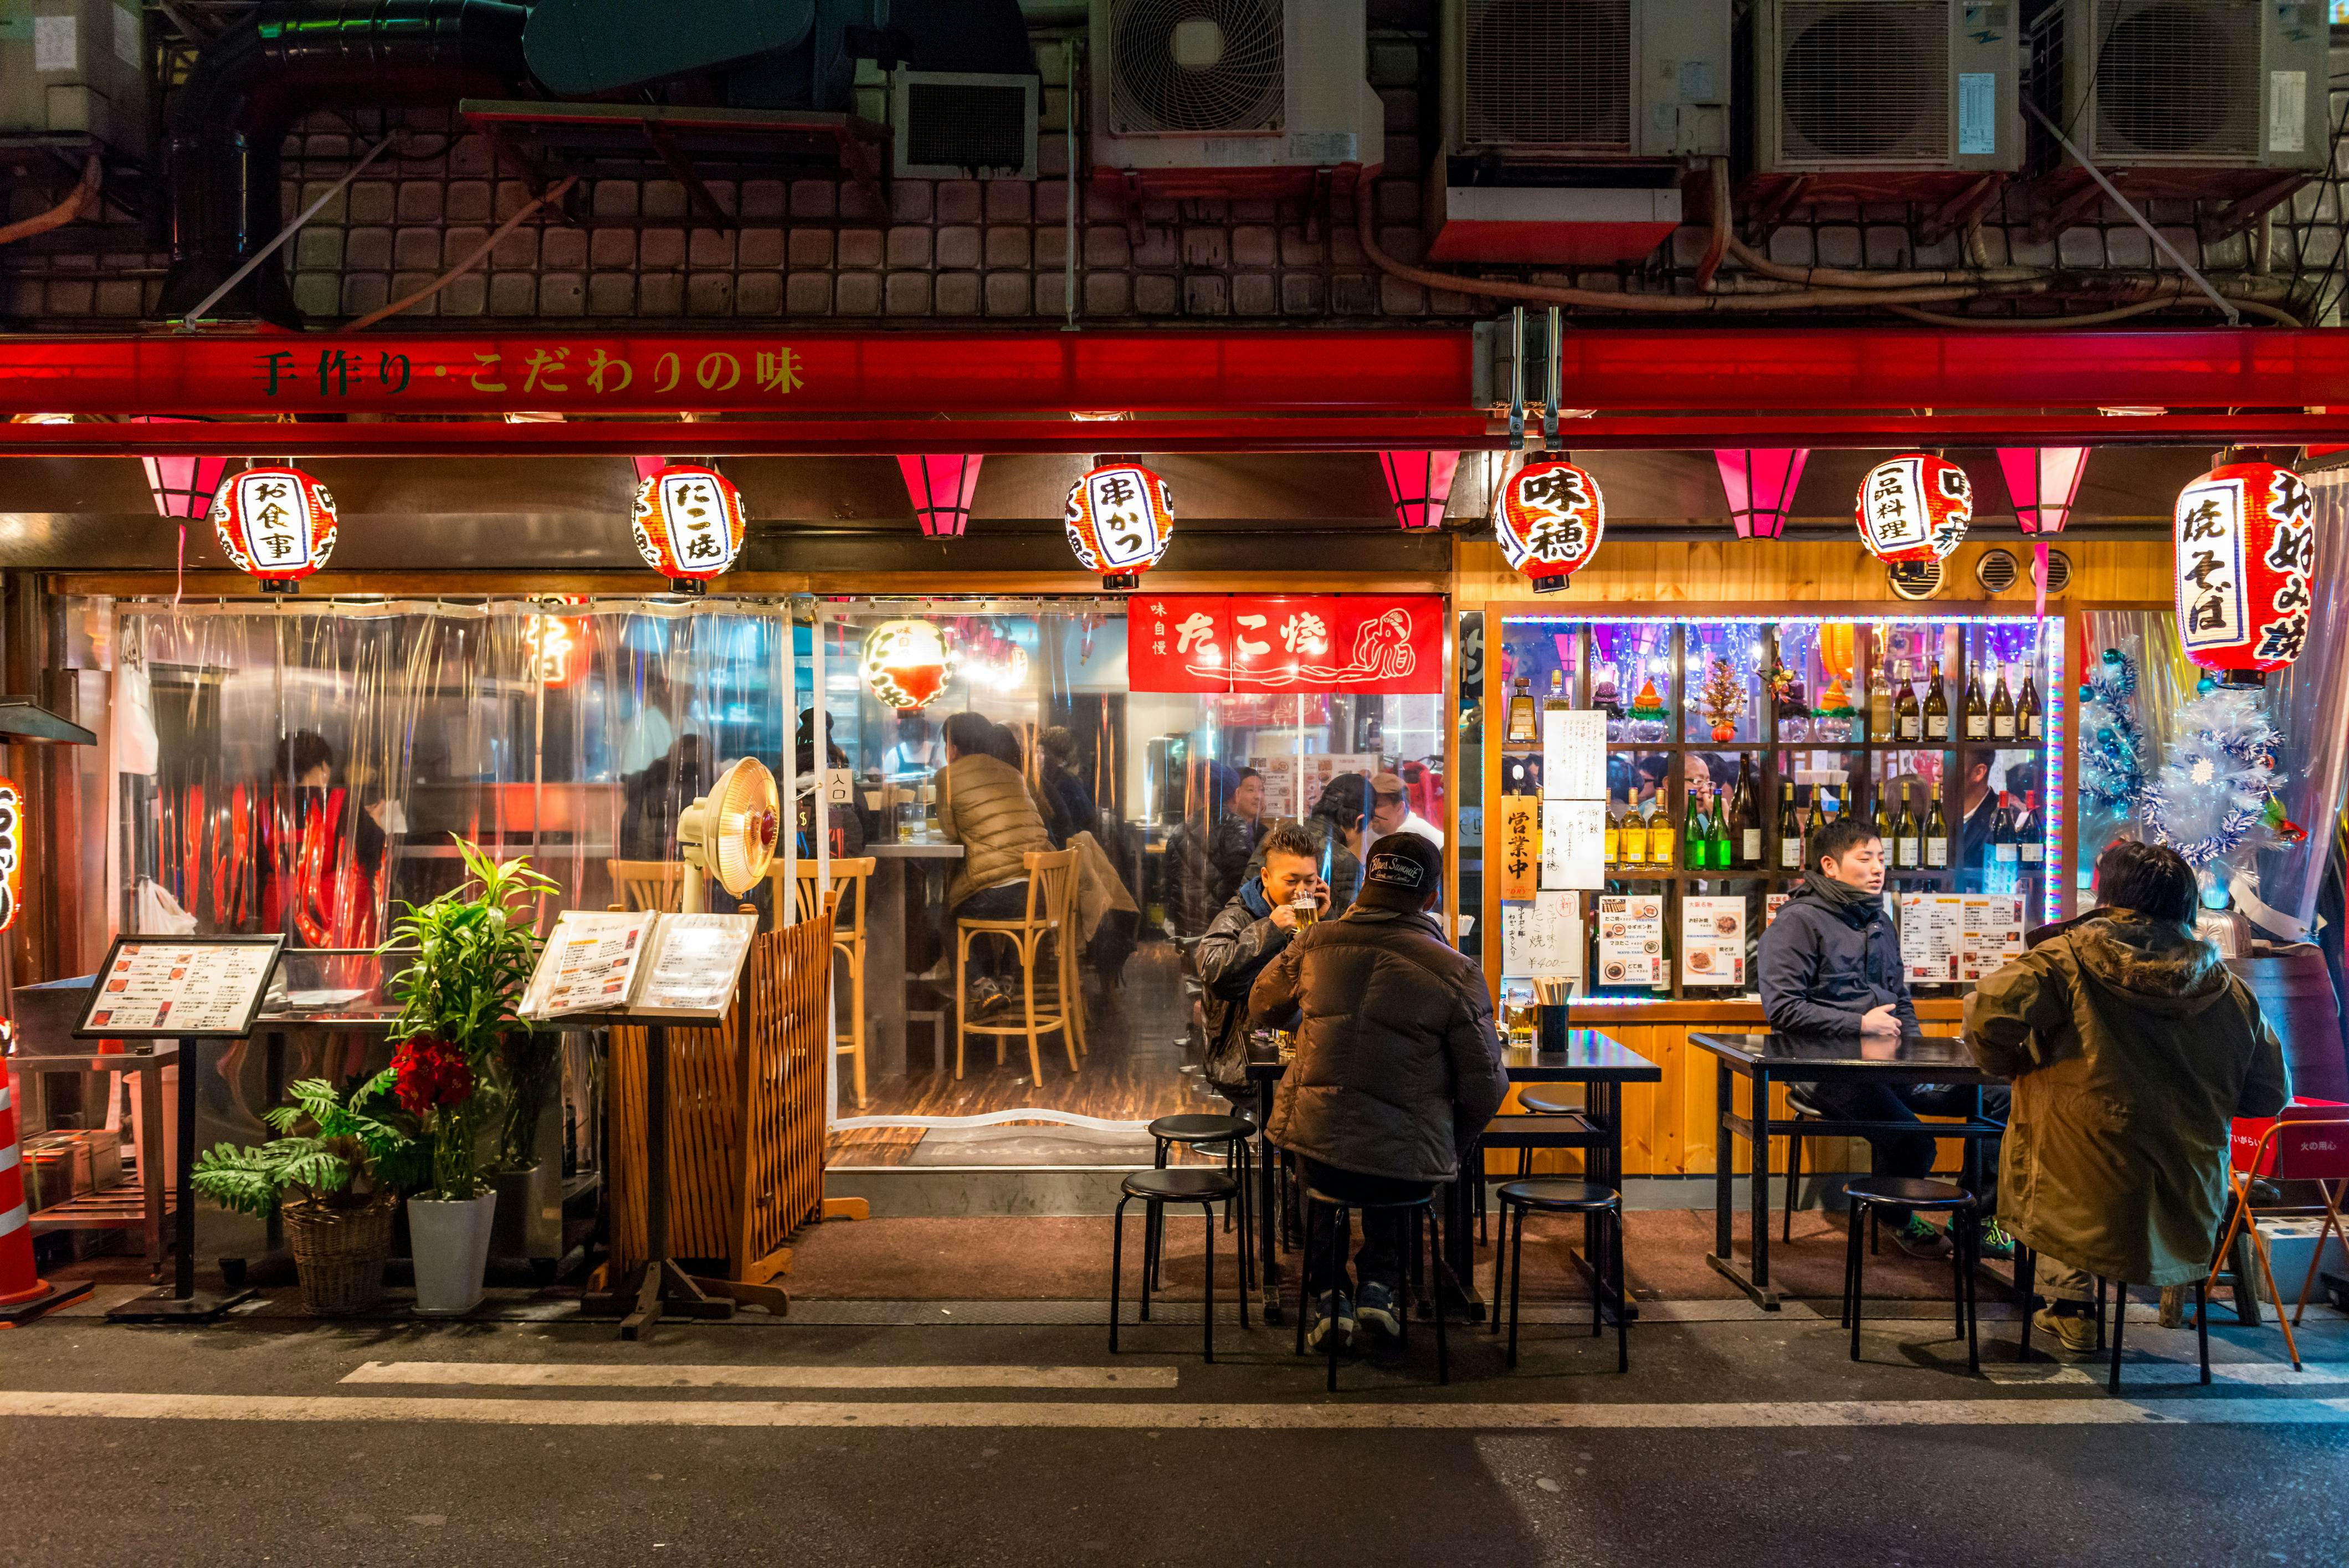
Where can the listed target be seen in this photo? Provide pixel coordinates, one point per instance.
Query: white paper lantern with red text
(1552, 518)
(688, 525)
(2246, 550)
(1121, 518)
(277, 523)
(905, 663)
(1914, 508)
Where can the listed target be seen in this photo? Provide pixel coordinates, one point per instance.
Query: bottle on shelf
(1696, 841)
(1879, 705)
(1720, 847)
(1660, 831)
(1790, 829)
(1880, 823)
(2002, 710)
(1906, 714)
(1523, 728)
(1744, 821)
(2030, 716)
(1631, 847)
(1906, 853)
(1614, 833)
(1977, 710)
(1936, 839)
(1556, 702)
(2006, 846)
(1937, 708)
(2030, 836)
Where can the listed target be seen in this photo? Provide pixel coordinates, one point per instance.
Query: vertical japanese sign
(1217, 643)
(1520, 846)
(12, 852)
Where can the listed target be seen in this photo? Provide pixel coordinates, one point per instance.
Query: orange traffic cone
(23, 1293)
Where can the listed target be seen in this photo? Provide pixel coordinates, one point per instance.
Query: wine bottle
(1905, 848)
(1632, 849)
(1523, 726)
(1906, 712)
(1977, 711)
(1696, 842)
(2002, 710)
(2030, 717)
(1660, 831)
(1937, 708)
(1790, 830)
(2005, 848)
(1879, 707)
(1720, 847)
(1878, 821)
(2030, 837)
(1745, 822)
(1614, 832)
(1937, 839)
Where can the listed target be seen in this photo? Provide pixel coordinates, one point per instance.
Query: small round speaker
(1996, 572)
(1914, 579)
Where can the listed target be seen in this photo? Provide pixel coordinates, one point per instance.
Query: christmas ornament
(1120, 517)
(2246, 547)
(1914, 508)
(905, 663)
(689, 526)
(2211, 797)
(277, 523)
(1552, 518)
(1649, 704)
(1722, 698)
(2112, 760)
(1834, 702)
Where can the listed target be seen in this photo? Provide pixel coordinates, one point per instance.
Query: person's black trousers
(1911, 1154)
(1386, 1233)
(991, 957)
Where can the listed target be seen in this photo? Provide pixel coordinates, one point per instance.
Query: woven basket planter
(338, 1254)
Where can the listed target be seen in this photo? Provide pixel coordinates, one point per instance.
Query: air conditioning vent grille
(1195, 65)
(965, 125)
(2178, 79)
(1548, 74)
(1864, 81)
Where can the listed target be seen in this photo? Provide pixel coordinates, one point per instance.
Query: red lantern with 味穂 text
(1552, 518)
(1914, 508)
(1120, 517)
(277, 523)
(689, 526)
(2246, 551)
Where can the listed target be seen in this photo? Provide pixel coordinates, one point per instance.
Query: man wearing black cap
(1397, 1070)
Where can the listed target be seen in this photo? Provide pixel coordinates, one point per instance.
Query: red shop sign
(1219, 643)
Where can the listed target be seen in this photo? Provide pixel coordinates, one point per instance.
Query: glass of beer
(1305, 905)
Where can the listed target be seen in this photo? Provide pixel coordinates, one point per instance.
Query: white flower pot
(452, 1243)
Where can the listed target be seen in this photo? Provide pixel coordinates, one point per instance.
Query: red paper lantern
(1120, 517)
(688, 525)
(12, 852)
(1420, 486)
(941, 486)
(2246, 548)
(277, 523)
(1914, 508)
(1552, 517)
(905, 663)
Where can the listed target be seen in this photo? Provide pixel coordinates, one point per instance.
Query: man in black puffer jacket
(1397, 1071)
(1249, 933)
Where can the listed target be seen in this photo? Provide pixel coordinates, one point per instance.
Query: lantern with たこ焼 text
(1552, 518)
(1914, 508)
(1120, 517)
(2246, 552)
(278, 524)
(905, 663)
(689, 526)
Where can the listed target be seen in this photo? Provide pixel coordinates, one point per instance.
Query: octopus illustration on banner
(1383, 651)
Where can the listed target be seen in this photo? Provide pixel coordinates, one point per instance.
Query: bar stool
(1805, 1110)
(1204, 1131)
(1593, 1202)
(1533, 1099)
(2030, 1259)
(1915, 1192)
(1156, 1189)
(1418, 1208)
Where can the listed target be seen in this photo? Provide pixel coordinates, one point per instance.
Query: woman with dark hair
(2132, 1048)
(1068, 803)
(321, 859)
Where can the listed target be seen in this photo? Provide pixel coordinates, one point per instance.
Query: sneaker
(1334, 1313)
(1380, 1310)
(1918, 1238)
(2073, 1334)
(1993, 1242)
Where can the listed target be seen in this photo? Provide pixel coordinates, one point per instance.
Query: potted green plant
(475, 947)
(334, 1173)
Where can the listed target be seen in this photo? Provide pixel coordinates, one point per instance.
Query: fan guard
(1196, 65)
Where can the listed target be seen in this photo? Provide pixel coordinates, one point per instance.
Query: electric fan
(731, 833)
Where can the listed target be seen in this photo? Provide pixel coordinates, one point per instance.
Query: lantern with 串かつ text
(2246, 551)
(1120, 517)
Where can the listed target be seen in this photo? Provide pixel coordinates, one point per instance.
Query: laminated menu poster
(191, 987)
(1712, 942)
(1631, 939)
(640, 963)
(1772, 904)
(1932, 936)
(1993, 934)
(1542, 940)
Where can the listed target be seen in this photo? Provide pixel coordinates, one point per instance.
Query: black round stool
(1205, 1131)
(1156, 1189)
(1915, 1192)
(1339, 1208)
(2028, 1262)
(1535, 1099)
(1602, 1205)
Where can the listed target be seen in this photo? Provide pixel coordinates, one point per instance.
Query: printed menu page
(1712, 942)
(1932, 936)
(168, 988)
(1994, 933)
(589, 962)
(1631, 939)
(697, 960)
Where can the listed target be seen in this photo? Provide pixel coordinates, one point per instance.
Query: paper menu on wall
(157, 987)
(1574, 844)
(1712, 942)
(1993, 934)
(1542, 938)
(1932, 936)
(1631, 939)
(1574, 755)
(1770, 905)
(674, 966)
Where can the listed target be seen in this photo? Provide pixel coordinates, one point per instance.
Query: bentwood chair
(657, 885)
(849, 879)
(1050, 914)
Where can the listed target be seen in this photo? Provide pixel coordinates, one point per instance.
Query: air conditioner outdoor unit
(1890, 98)
(78, 67)
(963, 125)
(1211, 98)
(1565, 123)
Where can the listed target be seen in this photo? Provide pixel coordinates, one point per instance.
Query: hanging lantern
(1552, 517)
(12, 852)
(1420, 486)
(1759, 483)
(2043, 482)
(2246, 548)
(941, 486)
(647, 466)
(1914, 508)
(277, 523)
(1120, 517)
(556, 646)
(689, 526)
(905, 663)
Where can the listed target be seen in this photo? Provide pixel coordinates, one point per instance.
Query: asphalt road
(1737, 1443)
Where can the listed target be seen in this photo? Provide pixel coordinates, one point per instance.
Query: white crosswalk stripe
(641, 1375)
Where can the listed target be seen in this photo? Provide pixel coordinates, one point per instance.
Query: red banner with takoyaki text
(1223, 643)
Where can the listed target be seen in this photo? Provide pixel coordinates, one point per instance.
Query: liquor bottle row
(2011, 711)
(1726, 834)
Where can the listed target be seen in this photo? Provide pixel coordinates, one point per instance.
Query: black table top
(1589, 1057)
(1921, 1058)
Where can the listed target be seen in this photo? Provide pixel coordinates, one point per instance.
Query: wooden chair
(648, 884)
(848, 889)
(1051, 910)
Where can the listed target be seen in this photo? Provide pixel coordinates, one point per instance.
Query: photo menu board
(180, 988)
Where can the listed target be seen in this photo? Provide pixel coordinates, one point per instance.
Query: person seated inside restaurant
(985, 806)
(1239, 828)
(1070, 807)
(843, 822)
(1391, 812)
(1340, 825)
(1397, 1070)
(2131, 1048)
(1247, 934)
(1830, 967)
